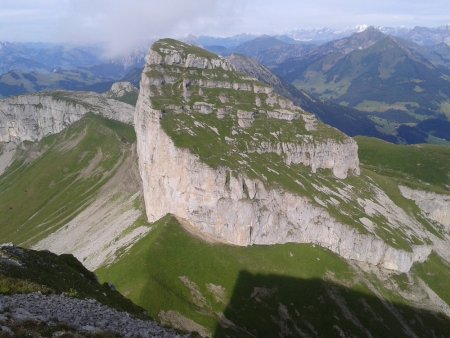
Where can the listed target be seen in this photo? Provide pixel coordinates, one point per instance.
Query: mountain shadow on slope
(274, 306)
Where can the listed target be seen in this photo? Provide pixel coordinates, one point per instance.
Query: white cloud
(125, 24)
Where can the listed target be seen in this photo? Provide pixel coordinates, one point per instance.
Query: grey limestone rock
(32, 117)
(84, 315)
(235, 208)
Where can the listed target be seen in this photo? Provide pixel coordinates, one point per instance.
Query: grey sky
(121, 24)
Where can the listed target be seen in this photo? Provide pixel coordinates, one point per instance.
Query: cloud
(122, 25)
(27, 20)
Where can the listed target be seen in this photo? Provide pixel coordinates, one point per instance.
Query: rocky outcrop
(84, 316)
(123, 91)
(119, 89)
(32, 117)
(184, 55)
(328, 154)
(229, 206)
(7, 152)
(435, 206)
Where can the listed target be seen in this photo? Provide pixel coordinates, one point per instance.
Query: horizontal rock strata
(228, 205)
(32, 117)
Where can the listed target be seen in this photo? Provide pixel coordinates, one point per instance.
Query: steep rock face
(31, 117)
(222, 201)
(242, 211)
(7, 152)
(436, 206)
(327, 154)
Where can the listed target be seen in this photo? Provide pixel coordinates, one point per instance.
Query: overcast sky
(121, 24)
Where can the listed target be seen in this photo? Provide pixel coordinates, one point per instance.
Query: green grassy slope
(53, 180)
(436, 273)
(130, 98)
(423, 167)
(261, 290)
(419, 166)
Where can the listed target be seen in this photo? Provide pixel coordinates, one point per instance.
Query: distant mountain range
(421, 35)
(45, 56)
(33, 67)
(391, 83)
(388, 77)
(400, 89)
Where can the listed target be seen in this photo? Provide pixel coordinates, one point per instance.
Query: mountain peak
(176, 53)
(360, 40)
(171, 46)
(362, 28)
(370, 32)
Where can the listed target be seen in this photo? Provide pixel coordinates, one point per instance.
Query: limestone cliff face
(435, 206)
(318, 155)
(242, 211)
(226, 204)
(32, 117)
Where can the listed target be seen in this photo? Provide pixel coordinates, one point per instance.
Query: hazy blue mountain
(45, 56)
(220, 45)
(426, 36)
(321, 35)
(32, 67)
(421, 35)
(367, 84)
(227, 42)
(393, 80)
(133, 76)
(19, 82)
(261, 43)
(271, 51)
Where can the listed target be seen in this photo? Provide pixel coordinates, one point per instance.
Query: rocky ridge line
(32, 117)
